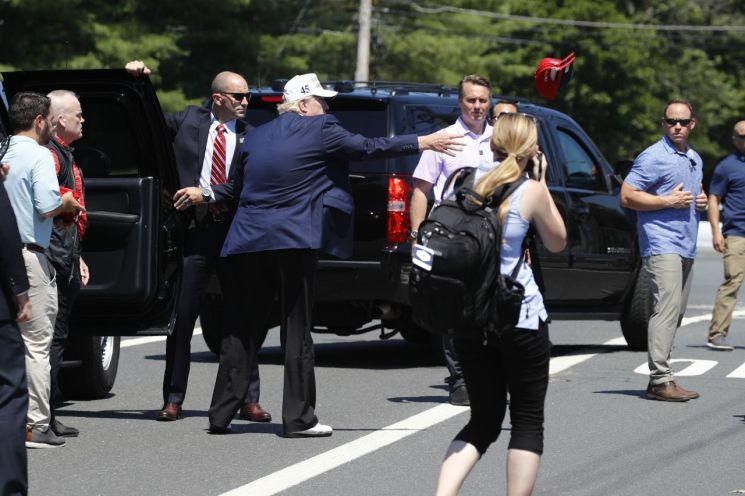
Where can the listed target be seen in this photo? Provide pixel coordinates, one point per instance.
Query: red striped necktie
(218, 175)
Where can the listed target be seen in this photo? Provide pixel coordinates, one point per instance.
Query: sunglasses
(671, 122)
(740, 136)
(238, 96)
(494, 119)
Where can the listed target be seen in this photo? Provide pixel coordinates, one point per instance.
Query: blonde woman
(518, 359)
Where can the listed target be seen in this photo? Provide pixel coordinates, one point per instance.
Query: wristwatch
(205, 195)
(413, 234)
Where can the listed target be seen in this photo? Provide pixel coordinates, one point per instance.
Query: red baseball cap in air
(552, 75)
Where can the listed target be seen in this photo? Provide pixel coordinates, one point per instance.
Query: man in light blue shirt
(664, 187)
(34, 194)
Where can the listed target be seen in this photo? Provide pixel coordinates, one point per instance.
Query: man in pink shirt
(474, 98)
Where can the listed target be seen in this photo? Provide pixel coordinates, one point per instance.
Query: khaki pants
(670, 277)
(734, 272)
(37, 336)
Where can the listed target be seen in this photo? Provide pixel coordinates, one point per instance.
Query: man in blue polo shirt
(728, 187)
(664, 187)
(33, 191)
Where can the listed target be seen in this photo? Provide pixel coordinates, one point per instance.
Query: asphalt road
(388, 405)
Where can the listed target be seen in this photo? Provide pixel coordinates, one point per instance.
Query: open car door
(132, 243)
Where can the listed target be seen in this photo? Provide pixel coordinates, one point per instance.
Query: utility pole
(363, 42)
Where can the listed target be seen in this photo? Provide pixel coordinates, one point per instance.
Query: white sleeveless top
(513, 233)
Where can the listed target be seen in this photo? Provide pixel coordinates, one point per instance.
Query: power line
(571, 22)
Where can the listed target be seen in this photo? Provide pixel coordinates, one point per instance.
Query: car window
(426, 119)
(369, 121)
(580, 168)
(543, 141)
(421, 119)
(101, 152)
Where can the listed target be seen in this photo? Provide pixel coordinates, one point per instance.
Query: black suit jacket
(13, 277)
(189, 131)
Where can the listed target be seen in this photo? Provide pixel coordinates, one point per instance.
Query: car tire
(636, 313)
(211, 320)
(95, 376)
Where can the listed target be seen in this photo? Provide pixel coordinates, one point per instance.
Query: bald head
(229, 96)
(67, 115)
(738, 136)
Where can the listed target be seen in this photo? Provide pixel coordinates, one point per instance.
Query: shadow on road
(626, 392)
(583, 349)
(123, 414)
(373, 354)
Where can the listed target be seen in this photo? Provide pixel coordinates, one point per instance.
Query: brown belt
(33, 247)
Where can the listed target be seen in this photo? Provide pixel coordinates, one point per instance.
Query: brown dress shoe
(254, 413)
(667, 391)
(691, 394)
(170, 412)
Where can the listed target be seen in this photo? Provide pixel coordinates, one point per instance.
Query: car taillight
(272, 99)
(399, 195)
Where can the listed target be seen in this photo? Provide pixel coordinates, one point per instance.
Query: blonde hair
(515, 137)
(293, 106)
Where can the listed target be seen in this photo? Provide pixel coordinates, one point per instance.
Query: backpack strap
(500, 194)
(4, 144)
(504, 191)
(457, 179)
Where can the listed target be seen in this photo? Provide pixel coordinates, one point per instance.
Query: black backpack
(456, 287)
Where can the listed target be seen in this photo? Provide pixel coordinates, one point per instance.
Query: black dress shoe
(216, 429)
(63, 430)
(459, 396)
(170, 412)
(254, 413)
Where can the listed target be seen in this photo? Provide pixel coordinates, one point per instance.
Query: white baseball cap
(303, 86)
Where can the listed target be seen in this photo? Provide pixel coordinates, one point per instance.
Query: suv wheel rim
(107, 350)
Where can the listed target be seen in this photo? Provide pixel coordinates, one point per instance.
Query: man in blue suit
(15, 306)
(295, 200)
(205, 143)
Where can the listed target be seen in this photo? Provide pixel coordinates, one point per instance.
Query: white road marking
(150, 339)
(696, 367)
(707, 317)
(312, 467)
(307, 469)
(738, 373)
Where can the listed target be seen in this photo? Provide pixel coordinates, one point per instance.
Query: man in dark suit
(295, 200)
(205, 143)
(14, 306)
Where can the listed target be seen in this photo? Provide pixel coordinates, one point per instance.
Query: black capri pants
(517, 359)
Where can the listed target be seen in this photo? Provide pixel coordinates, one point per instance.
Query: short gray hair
(291, 106)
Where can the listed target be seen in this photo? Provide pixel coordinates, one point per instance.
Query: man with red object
(68, 231)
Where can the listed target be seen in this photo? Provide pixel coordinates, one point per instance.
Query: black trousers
(518, 359)
(67, 291)
(452, 362)
(13, 408)
(254, 279)
(202, 247)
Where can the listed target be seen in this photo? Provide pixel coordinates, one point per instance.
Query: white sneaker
(720, 343)
(318, 430)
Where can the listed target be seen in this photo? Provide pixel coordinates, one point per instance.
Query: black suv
(133, 245)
